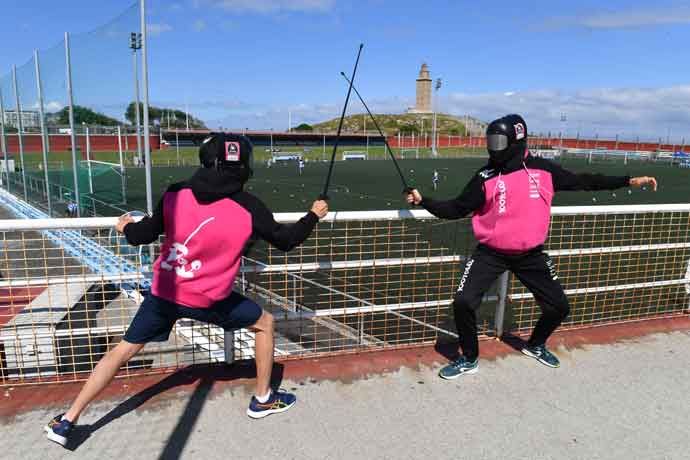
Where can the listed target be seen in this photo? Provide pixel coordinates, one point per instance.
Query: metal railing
(362, 281)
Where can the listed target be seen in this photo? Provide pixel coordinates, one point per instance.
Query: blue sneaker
(541, 354)
(280, 401)
(459, 367)
(59, 429)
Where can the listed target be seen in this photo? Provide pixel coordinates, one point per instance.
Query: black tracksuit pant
(534, 269)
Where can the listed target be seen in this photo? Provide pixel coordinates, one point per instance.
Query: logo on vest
(534, 185)
(177, 256)
(502, 199)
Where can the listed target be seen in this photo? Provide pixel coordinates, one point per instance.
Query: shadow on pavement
(449, 349)
(205, 375)
(513, 341)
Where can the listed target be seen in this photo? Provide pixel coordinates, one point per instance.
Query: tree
(304, 127)
(85, 115)
(409, 129)
(176, 118)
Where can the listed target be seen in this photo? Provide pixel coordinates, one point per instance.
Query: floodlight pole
(437, 86)
(123, 173)
(20, 129)
(72, 131)
(147, 140)
(44, 134)
(135, 44)
(3, 143)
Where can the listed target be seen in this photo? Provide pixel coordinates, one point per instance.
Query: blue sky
(614, 69)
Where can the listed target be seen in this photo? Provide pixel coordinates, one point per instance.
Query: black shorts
(156, 317)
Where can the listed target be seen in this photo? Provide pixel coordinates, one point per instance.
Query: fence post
(137, 117)
(145, 75)
(44, 130)
(20, 129)
(72, 131)
(501, 305)
(3, 144)
(229, 347)
(229, 336)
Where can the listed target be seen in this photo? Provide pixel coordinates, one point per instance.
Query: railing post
(501, 305)
(687, 286)
(229, 338)
(229, 347)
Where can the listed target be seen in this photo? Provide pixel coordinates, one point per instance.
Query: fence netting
(103, 87)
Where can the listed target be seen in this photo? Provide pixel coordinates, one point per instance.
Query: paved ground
(619, 401)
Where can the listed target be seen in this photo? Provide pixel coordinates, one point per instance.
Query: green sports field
(375, 185)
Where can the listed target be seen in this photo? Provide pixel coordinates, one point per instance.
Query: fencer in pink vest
(510, 203)
(207, 223)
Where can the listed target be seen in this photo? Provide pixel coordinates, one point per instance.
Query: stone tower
(423, 104)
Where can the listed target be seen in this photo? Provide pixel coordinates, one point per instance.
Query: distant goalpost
(107, 173)
(409, 152)
(354, 155)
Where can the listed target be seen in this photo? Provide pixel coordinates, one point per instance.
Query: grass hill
(407, 123)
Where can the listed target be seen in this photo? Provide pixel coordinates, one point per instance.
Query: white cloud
(53, 106)
(270, 6)
(199, 25)
(647, 17)
(155, 29)
(629, 112)
(649, 113)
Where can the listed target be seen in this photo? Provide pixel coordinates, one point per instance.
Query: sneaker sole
(266, 413)
(532, 355)
(50, 434)
(468, 371)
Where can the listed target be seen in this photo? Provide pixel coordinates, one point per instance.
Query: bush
(304, 127)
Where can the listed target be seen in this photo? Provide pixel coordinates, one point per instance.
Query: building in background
(423, 100)
(30, 119)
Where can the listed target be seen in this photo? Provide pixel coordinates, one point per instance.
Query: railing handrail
(88, 223)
